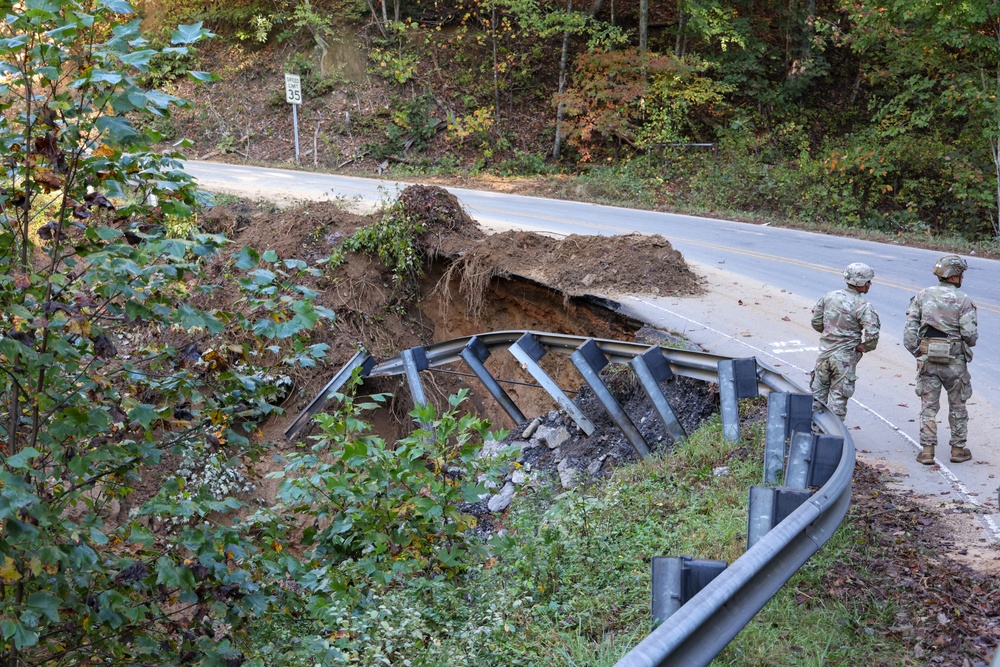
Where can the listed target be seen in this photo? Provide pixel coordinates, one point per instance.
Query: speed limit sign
(293, 89)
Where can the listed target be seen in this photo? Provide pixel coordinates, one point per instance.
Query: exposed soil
(528, 281)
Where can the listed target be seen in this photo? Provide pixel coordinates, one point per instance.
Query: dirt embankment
(472, 282)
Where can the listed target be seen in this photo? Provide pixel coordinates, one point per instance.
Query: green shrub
(392, 509)
(393, 238)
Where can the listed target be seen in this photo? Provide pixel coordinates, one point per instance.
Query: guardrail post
(414, 361)
(769, 506)
(737, 379)
(812, 459)
(361, 359)
(474, 354)
(528, 351)
(589, 360)
(652, 368)
(677, 580)
(786, 413)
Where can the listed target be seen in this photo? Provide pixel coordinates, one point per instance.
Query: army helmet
(949, 266)
(858, 274)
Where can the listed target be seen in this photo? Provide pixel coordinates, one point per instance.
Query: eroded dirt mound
(450, 230)
(376, 311)
(608, 265)
(576, 265)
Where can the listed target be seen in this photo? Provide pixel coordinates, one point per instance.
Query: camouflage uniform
(846, 320)
(948, 314)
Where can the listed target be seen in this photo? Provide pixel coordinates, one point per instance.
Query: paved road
(761, 283)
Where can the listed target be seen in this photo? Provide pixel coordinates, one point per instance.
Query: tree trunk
(808, 32)
(682, 19)
(557, 145)
(995, 140)
(496, 65)
(643, 24)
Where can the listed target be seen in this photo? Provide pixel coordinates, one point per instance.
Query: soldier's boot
(960, 454)
(926, 456)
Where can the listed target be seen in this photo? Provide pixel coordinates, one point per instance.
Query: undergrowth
(567, 579)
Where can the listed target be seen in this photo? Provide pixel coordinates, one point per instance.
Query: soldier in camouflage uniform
(849, 327)
(941, 328)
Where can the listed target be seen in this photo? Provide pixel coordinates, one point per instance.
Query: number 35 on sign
(293, 89)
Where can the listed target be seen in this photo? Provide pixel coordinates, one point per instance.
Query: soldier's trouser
(833, 381)
(954, 378)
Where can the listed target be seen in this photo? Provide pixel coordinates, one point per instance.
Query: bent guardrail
(706, 623)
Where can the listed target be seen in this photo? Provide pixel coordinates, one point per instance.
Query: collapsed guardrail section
(698, 606)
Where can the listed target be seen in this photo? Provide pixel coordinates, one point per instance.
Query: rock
(557, 437)
(490, 449)
(721, 471)
(588, 280)
(541, 434)
(519, 477)
(488, 483)
(567, 477)
(530, 429)
(501, 501)
(594, 467)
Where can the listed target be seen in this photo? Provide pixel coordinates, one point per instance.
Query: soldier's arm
(817, 315)
(911, 330)
(870, 328)
(968, 325)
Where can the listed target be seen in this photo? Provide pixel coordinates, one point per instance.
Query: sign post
(293, 95)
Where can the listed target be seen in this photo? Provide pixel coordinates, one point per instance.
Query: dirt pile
(472, 282)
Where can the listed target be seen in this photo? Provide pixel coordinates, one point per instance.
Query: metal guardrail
(706, 623)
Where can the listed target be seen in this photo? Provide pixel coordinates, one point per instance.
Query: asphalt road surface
(761, 284)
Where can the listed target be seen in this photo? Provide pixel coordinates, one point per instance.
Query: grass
(569, 578)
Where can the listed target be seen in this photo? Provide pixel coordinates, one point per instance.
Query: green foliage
(105, 371)
(682, 104)
(258, 30)
(521, 163)
(638, 98)
(393, 238)
(387, 510)
(411, 126)
(389, 55)
(476, 126)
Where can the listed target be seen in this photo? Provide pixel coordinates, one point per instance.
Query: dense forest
(875, 115)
